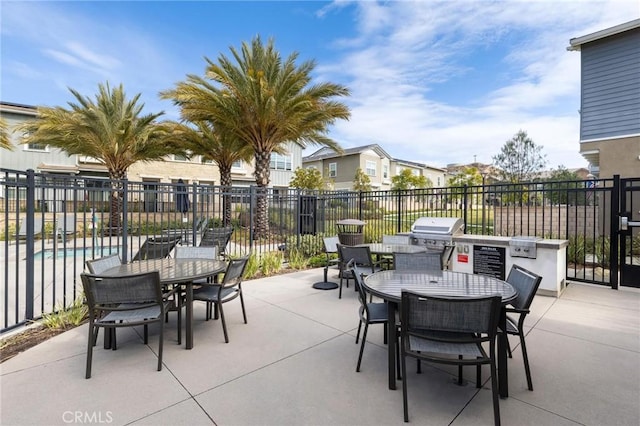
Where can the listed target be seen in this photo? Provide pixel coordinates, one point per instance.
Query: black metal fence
(51, 224)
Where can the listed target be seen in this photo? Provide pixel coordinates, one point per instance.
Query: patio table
(175, 272)
(388, 285)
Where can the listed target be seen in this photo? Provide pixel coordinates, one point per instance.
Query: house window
(371, 168)
(237, 164)
(385, 171)
(206, 160)
(333, 169)
(280, 162)
(438, 181)
(35, 146)
(179, 158)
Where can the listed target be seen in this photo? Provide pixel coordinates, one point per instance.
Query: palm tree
(110, 129)
(5, 143)
(265, 103)
(224, 150)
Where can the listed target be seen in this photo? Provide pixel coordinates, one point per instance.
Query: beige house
(610, 99)
(374, 161)
(193, 170)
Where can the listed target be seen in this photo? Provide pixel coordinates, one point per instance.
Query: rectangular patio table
(388, 285)
(175, 272)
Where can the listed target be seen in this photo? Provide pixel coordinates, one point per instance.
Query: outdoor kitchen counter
(550, 260)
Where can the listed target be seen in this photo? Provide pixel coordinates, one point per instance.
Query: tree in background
(265, 102)
(110, 129)
(361, 181)
(407, 180)
(565, 187)
(520, 159)
(222, 149)
(468, 176)
(5, 143)
(309, 179)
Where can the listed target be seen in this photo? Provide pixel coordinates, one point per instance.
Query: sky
(436, 82)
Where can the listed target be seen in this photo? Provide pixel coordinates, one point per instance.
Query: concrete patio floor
(294, 364)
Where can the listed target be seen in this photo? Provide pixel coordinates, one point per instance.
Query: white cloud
(404, 50)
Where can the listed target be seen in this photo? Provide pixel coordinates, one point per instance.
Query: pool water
(77, 252)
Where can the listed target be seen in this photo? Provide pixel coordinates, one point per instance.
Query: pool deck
(294, 364)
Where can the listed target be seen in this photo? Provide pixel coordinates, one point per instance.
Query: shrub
(271, 263)
(297, 259)
(253, 265)
(74, 315)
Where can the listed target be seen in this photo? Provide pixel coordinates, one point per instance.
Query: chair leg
(358, 333)
(224, 324)
(385, 334)
(179, 319)
(364, 339)
(405, 404)
(526, 361)
(160, 345)
(340, 290)
(92, 333)
(478, 376)
(146, 334)
(418, 366)
(494, 390)
(459, 372)
(509, 347)
(398, 358)
(244, 313)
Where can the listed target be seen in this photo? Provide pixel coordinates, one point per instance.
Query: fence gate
(630, 232)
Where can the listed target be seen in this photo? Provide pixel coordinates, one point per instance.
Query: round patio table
(175, 272)
(388, 285)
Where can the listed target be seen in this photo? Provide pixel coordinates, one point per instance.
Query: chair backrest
(331, 244)
(106, 293)
(424, 261)
(65, 224)
(233, 274)
(218, 237)
(98, 266)
(37, 227)
(361, 255)
(421, 313)
(526, 284)
(396, 239)
(362, 293)
(190, 252)
(156, 248)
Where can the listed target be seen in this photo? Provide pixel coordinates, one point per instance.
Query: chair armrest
(517, 311)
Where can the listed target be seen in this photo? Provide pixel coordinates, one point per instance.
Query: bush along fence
(51, 224)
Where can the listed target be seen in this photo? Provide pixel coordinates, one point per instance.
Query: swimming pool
(75, 252)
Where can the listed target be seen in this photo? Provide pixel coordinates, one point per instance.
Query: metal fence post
(465, 190)
(30, 263)
(125, 219)
(614, 234)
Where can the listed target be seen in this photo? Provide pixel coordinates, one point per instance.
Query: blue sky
(435, 82)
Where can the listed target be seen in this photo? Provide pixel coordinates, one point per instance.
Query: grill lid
(437, 225)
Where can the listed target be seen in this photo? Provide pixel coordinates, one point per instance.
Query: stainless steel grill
(436, 233)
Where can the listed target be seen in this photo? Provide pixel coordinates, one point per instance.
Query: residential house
(374, 161)
(610, 99)
(45, 159)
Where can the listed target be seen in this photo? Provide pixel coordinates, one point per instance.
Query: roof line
(577, 42)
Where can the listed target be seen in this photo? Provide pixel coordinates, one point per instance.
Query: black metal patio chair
(526, 284)
(450, 331)
(217, 237)
(125, 301)
(424, 261)
(361, 256)
(156, 248)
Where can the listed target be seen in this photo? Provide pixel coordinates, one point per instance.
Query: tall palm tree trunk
(225, 181)
(117, 189)
(262, 181)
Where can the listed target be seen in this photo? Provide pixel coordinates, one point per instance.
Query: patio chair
(526, 284)
(387, 260)
(450, 331)
(156, 248)
(124, 301)
(217, 237)
(98, 266)
(330, 248)
(361, 256)
(65, 226)
(22, 231)
(370, 313)
(425, 261)
(190, 252)
(218, 294)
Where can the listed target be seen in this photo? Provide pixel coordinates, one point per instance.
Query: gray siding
(611, 87)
